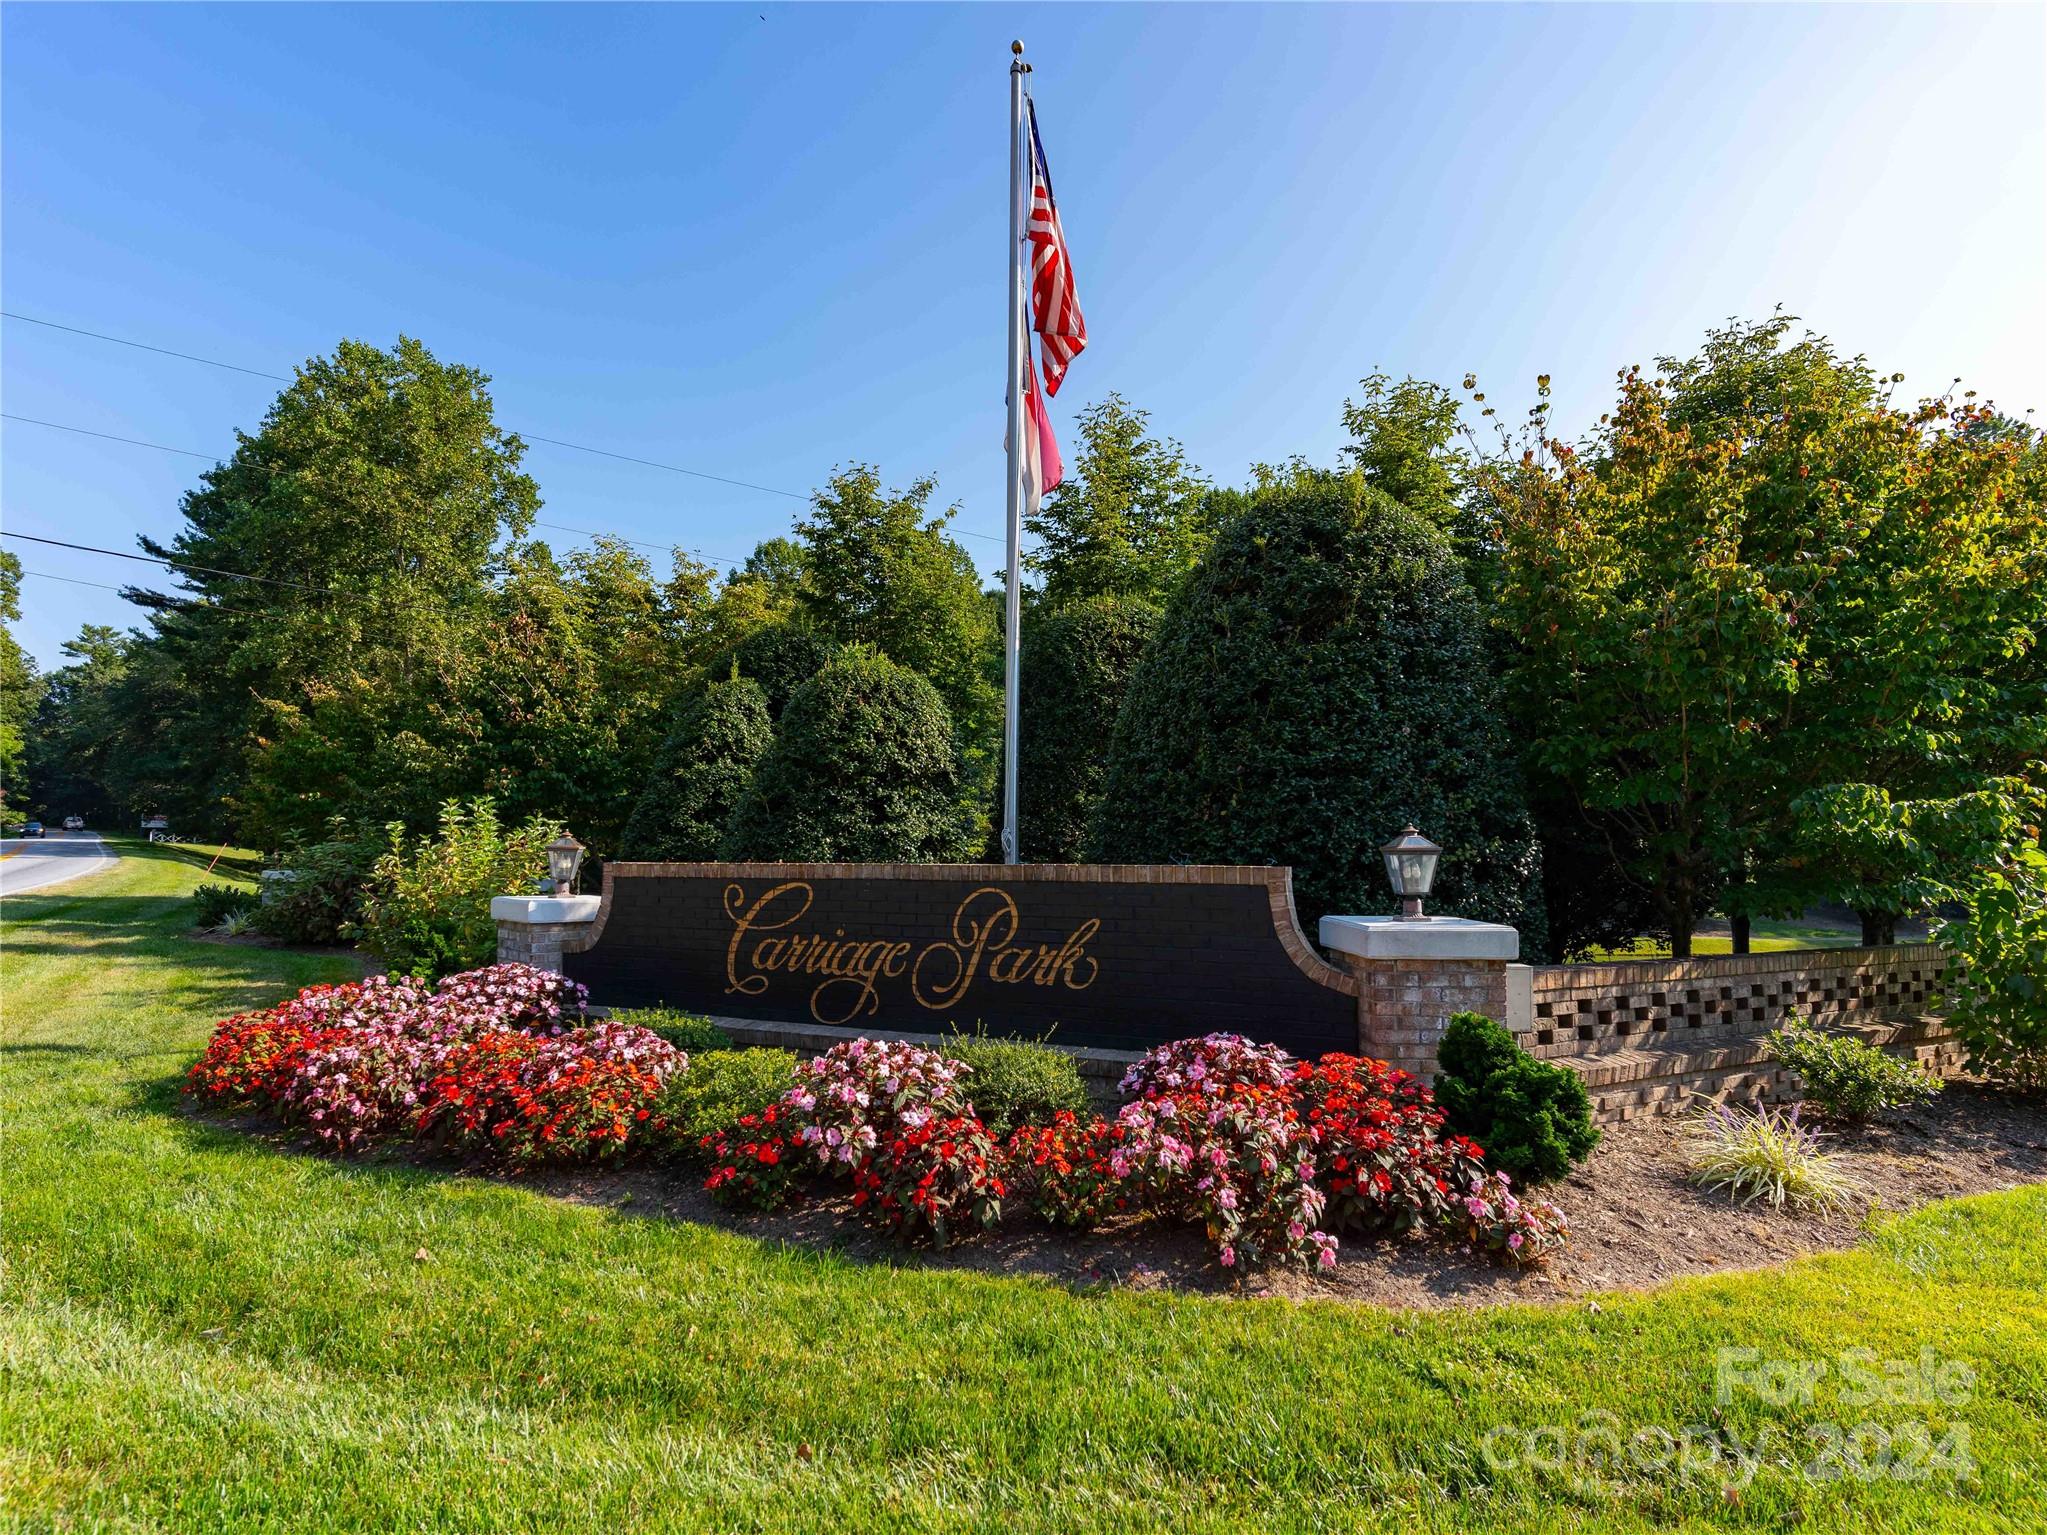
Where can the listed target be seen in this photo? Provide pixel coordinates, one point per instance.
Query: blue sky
(766, 239)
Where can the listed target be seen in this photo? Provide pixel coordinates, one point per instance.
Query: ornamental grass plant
(1767, 1155)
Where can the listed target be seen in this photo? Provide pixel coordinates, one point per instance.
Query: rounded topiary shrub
(1076, 663)
(781, 658)
(1534, 1118)
(703, 768)
(1319, 681)
(863, 769)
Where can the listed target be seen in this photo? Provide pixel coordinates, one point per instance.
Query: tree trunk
(1879, 928)
(1740, 926)
(1682, 919)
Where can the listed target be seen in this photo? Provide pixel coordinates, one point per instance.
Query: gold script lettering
(981, 942)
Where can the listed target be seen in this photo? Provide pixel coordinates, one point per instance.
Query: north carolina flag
(1042, 470)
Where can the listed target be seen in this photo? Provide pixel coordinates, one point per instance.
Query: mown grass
(200, 1331)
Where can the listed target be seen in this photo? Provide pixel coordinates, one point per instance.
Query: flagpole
(1012, 608)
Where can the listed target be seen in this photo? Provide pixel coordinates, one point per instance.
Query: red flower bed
(1384, 1161)
(758, 1164)
(531, 1099)
(1064, 1169)
(252, 1057)
(938, 1179)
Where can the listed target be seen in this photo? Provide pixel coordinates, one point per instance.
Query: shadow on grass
(221, 862)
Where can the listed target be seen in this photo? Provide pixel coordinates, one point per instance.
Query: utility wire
(205, 570)
(180, 605)
(136, 442)
(214, 362)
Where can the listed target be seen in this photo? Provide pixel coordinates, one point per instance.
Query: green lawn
(199, 1332)
(1766, 937)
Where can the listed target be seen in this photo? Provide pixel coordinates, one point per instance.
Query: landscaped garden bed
(1231, 1168)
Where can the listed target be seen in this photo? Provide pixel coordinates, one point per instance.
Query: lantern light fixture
(564, 860)
(1411, 869)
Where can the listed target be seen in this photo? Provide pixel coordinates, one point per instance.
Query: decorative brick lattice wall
(1665, 1004)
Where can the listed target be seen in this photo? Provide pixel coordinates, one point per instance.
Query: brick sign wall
(1107, 955)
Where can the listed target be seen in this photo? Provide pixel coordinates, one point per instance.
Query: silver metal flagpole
(1012, 607)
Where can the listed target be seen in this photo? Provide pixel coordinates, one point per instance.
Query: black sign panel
(1114, 956)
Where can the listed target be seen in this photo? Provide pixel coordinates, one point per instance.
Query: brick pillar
(1416, 974)
(535, 930)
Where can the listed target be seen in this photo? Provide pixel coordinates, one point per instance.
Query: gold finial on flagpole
(1016, 47)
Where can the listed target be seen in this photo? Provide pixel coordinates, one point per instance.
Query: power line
(143, 346)
(187, 607)
(206, 570)
(136, 442)
(558, 442)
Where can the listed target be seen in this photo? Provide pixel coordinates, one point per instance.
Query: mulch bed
(1635, 1219)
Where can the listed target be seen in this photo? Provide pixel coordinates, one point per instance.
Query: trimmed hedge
(718, 1090)
(689, 1032)
(702, 770)
(1534, 1118)
(1319, 681)
(1077, 663)
(1018, 1081)
(863, 769)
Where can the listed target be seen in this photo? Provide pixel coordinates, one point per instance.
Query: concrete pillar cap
(545, 908)
(1429, 938)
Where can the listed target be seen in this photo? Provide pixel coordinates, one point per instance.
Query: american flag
(1055, 308)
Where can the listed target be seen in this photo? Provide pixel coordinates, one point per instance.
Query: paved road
(29, 863)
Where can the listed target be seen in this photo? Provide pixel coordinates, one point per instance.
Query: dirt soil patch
(1636, 1219)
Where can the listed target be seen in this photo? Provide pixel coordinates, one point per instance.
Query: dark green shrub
(688, 1032)
(1848, 1078)
(719, 1087)
(1078, 660)
(863, 769)
(1018, 1081)
(781, 658)
(1320, 680)
(213, 904)
(1533, 1118)
(703, 768)
(323, 896)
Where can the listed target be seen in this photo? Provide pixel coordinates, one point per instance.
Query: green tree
(864, 769)
(1762, 581)
(1319, 680)
(781, 658)
(77, 736)
(20, 688)
(878, 570)
(1129, 520)
(704, 768)
(1077, 662)
(1407, 441)
(369, 507)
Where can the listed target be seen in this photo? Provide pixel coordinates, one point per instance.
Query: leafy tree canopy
(1131, 517)
(878, 570)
